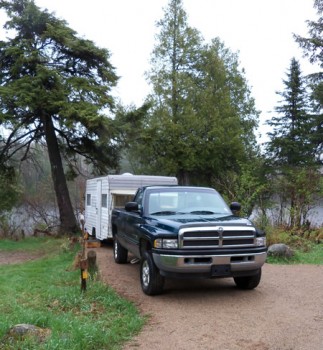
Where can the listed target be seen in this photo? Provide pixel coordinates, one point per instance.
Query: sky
(260, 31)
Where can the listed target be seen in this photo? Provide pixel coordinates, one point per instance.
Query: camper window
(88, 199)
(104, 200)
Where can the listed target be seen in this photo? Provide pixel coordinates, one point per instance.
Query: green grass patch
(313, 254)
(32, 244)
(47, 294)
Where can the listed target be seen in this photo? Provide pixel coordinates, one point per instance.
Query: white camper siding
(90, 210)
(98, 218)
(105, 212)
(134, 181)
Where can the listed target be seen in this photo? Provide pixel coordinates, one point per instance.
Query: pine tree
(291, 141)
(53, 88)
(201, 109)
(291, 150)
(313, 49)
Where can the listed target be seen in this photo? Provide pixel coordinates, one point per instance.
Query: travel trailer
(112, 191)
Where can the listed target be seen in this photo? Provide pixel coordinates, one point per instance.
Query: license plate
(220, 270)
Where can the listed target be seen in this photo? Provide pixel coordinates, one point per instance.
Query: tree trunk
(67, 217)
(183, 178)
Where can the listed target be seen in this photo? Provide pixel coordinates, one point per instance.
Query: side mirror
(235, 208)
(131, 206)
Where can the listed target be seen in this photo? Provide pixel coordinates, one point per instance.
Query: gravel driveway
(285, 312)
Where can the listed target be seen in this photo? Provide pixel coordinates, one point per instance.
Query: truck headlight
(260, 241)
(166, 243)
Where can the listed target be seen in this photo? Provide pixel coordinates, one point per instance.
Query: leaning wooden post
(92, 265)
(83, 262)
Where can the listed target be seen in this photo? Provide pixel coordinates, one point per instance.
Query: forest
(60, 123)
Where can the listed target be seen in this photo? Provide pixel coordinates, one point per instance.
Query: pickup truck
(187, 232)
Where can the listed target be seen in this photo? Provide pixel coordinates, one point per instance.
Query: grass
(306, 244)
(31, 244)
(313, 255)
(46, 293)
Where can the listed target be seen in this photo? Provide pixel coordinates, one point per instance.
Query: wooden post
(83, 265)
(83, 262)
(92, 266)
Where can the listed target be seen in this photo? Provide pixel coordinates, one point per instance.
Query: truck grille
(216, 237)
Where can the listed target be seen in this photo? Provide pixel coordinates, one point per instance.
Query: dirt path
(285, 312)
(16, 257)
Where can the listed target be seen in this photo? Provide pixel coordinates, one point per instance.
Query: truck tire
(119, 252)
(152, 282)
(248, 282)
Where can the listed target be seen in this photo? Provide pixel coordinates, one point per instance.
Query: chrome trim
(203, 263)
(219, 236)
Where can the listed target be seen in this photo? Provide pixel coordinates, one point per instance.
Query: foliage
(297, 190)
(249, 187)
(313, 49)
(97, 318)
(301, 238)
(54, 87)
(312, 255)
(306, 244)
(201, 121)
(10, 190)
(291, 152)
(291, 139)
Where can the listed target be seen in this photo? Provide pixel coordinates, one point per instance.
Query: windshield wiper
(203, 212)
(165, 212)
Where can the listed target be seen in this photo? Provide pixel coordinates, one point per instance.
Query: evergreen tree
(292, 151)
(202, 116)
(291, 141)
(313, 49)
(53, 89)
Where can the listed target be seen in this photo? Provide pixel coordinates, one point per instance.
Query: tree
(313, 49)
(54, 88)
(201, 108)
(172, 76)
(292, 150)
(10, 190)
(291, 141)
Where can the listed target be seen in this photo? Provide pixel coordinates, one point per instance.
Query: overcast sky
(260, 30)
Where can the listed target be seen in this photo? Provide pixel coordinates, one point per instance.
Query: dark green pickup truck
(187, 232)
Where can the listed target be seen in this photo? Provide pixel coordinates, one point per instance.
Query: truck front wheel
(119, 252)
(152, 282)
(248, 282)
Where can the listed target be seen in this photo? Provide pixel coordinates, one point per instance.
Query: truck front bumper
(189, 266)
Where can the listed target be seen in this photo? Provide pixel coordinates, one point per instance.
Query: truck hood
(175, 223)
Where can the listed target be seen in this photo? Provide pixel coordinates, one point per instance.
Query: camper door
(98, 210)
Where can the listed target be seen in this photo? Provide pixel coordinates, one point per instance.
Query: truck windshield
(187, 202)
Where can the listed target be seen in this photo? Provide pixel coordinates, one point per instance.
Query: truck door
(98, 209)
(131, 226)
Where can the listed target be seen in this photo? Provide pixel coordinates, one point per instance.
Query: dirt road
(285, 312)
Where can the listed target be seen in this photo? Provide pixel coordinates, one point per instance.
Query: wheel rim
(145, 273)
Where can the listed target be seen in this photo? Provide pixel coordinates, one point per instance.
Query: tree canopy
(313, 49)
(291, 141)
(202, 117)
(55, 88)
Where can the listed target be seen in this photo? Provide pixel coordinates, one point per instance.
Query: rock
(280, 250)
(22, 331)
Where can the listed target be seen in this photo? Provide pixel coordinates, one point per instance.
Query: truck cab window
(138, 198)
